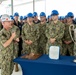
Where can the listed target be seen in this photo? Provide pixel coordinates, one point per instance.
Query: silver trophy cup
(72, 28)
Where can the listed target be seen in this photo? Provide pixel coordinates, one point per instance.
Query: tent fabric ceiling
(15, 2)
(2, 0)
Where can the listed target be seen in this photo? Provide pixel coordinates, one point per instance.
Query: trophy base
(74, 60)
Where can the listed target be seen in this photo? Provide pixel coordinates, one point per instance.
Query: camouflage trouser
(48, 46)
(16, 49)
(24, 48)
(74, 49)
(68, 48)
(7, 65)
(42, 44)
(30, 48)
(0, 59)
(42, 48)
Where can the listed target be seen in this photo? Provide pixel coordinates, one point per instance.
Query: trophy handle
(71, 28)
(75, 34)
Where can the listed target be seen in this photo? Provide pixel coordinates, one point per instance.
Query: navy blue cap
(11, 17)
(35, 14)
(54, 12)
(29, 15)
(16, 14)
(70, 14)
(25, 17)
(42, 14)
(21, 17)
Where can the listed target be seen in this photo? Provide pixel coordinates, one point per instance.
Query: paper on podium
(54, 52)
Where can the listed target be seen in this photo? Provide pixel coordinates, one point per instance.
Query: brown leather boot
(16, 67)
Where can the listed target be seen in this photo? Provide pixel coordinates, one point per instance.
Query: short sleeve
(2, 41)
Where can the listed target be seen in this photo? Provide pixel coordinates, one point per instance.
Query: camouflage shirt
(0, 26)
(30, 32)
(42, 28)
(4, 36)
(67, 36)
(55, 31)
(15, 29)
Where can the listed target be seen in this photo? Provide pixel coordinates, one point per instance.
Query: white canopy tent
(2, 1)
(26, 6)
(13, 3)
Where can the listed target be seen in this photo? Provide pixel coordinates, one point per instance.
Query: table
(46, 66)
